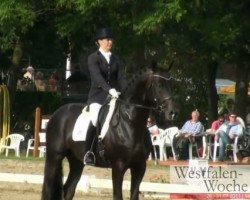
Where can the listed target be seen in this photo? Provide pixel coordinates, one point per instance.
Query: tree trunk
(13, 72)
(241, 90)
(212, 93)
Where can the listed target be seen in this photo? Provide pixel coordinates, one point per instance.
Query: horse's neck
(133, 123)
(135, 95)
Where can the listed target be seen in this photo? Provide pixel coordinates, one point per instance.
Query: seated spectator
(215, 125)
(248, 119)
(52, 82)
(153, 130)
(227, 132)
(39, 81)
(152, 127)
(186, 135)
(29, 75)
(27, 82)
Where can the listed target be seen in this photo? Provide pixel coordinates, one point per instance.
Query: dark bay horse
(126, 142)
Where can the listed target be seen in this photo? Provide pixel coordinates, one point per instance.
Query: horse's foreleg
(118, 171)
(137, 173)
(75, 171)
(52, 184)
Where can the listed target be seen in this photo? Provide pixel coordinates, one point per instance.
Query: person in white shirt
(152, 126)
(153, 130)
(107, 78)
(227, 132)
(29, 73)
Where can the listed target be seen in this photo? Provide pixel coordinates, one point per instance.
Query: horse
(127, 141)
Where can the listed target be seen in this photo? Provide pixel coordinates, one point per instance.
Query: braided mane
(136, 78)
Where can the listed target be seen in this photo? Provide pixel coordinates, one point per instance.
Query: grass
(22, 156)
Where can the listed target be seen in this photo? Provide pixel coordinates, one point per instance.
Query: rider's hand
(113, 93)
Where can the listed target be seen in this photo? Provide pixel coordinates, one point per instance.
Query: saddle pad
(81, 126)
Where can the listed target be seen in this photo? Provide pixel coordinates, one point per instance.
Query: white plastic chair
(206, 143)
(163, 140)
(41, 148)
(234, 145)
(168, 136)
(158, 140)
(14, 141)
(42, 140)
(195, 145)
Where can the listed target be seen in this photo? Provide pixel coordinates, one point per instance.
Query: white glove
(114, 93)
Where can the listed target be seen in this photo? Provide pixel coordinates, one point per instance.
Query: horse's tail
(53, 174)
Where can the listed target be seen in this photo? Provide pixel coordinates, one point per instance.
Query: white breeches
(94, 109)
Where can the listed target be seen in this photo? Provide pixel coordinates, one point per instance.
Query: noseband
(160, 107)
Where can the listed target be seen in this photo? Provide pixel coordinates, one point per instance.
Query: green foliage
(16, 17)
(191, 33)
(26, 104)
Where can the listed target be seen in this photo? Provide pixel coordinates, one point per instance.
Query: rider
(106, 79)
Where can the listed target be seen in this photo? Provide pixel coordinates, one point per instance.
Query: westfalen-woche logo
(230, 179)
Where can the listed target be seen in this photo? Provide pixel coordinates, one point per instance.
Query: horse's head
(159, 93)
(151, 90)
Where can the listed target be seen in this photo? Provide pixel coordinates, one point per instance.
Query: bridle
(160, 106)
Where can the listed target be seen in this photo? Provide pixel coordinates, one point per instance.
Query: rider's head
(104, 38)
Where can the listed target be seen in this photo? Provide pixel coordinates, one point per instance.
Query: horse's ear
(149, 78)
(153, 66)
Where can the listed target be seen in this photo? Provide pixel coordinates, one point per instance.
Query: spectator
(152, 127)
(186, 135)
(248, 120)
(27, 83)
(53, 79)
(227, 132)
(215, 125)
(228, 108)
(29, 73)
(39, 81)
(153, 130)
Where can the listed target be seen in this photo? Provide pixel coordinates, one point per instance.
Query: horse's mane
(142, 72)
(136, 78)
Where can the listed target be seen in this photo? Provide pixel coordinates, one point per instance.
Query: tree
(196, 36)
(15, 19)
(206, 32)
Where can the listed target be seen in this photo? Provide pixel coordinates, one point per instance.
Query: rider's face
(106, 44)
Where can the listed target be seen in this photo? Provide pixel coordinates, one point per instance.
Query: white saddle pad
(81, 126)
(82, 123)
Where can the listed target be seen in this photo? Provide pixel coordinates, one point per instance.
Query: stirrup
(89, 158)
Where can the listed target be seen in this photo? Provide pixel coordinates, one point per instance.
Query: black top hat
(104, 33)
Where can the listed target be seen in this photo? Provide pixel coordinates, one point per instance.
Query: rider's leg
(94, 109)
(90, 136)
(89, 157)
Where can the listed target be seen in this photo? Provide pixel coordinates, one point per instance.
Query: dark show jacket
(104, 76)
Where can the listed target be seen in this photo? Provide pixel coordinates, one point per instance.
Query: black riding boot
(89, 158)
